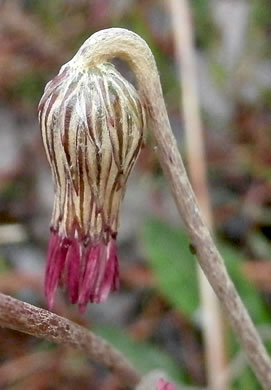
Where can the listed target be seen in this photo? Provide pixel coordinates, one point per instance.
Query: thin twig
(122, 43)
(41, 323)
(213, 329)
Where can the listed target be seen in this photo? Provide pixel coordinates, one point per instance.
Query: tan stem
(122, 43)
(37, 322)
(212, 324)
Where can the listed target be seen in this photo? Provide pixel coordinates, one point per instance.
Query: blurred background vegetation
(155, 318)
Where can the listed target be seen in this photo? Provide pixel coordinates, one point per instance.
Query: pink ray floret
(89, 271)
(164, 385)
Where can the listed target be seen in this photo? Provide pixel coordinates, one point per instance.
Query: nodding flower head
(92, 123)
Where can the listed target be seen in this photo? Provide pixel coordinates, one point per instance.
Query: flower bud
(155, 380)
(92, 122)
(164, 385)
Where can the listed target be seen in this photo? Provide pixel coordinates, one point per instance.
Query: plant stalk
(212, 317)
(117, 42)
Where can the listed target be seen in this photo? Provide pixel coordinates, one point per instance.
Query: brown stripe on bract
(43, 129)
(100, 128)
(102, 86)
(64, 209)
(70, 132)
(143, 122)
(90, 162)
(130, 135)
(111, 128)
(106, 81)
(119, 126)
(65, 136)
(52, 87)
(49, 133)
(133, 158)
(89, 210)
(112, 213)
(96, 113)
(109, 188)
(80, 168)
(104, 183)
(124, 85)
(88, 108)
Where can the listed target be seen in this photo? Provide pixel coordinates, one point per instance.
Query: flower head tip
(164, 385)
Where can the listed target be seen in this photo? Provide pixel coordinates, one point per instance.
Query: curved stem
(212, 317)
(122, 43)
(41, 323)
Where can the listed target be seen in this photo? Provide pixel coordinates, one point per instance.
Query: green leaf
(173, 265)
(144, 356)
(174, 268)
(246, 381)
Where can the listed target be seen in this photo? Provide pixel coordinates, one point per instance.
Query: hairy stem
(41, 323)
(122, 43)
(212, 317)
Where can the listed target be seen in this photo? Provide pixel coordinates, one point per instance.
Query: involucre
(92, 122)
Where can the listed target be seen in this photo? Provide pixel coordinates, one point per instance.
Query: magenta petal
(111, 277)
(89, 272)
(96, 296)
(58, 248)
(100, 275)
(115, 260)
(54, 237)
(163, 385)
(52, 249)
(53, 245)
(89, 277)
(73, 266)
